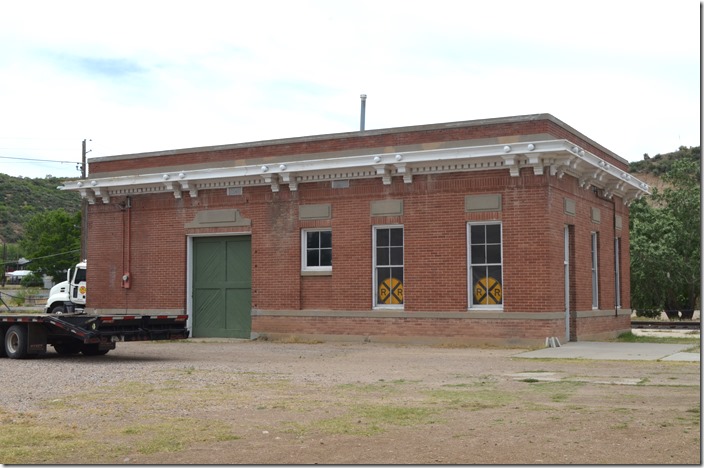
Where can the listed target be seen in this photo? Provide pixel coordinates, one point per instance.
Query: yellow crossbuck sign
(391, 291)
(487, 291)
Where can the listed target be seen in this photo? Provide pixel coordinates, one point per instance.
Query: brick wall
(435, 249)
(435, 229)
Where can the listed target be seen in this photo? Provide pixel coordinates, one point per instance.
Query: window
(595, 271)
(316, 249)
(617, 273)
(485, 265)
(388, 266)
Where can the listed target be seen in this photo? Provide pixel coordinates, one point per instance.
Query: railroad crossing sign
(391, 291)
(487, 291)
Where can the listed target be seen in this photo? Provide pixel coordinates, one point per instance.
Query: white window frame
(617, 272)
(374, 266)
(304, 252)
(595, 269)
(470, 284)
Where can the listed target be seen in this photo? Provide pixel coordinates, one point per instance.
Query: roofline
(559, 156)
(363, 133)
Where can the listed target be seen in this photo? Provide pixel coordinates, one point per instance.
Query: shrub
(32, 280)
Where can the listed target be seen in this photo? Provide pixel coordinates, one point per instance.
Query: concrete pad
(614, 351)
(694, 357)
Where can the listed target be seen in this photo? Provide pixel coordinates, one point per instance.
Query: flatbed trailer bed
(25, 335)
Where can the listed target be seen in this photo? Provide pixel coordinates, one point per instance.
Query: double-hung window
(388, 266)
(485, 265)
(595, 270)
(617, 272)
(316, 250)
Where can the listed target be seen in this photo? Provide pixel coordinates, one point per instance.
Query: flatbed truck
(27, 335)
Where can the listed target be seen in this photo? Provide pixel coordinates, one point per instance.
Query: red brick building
(504, 230)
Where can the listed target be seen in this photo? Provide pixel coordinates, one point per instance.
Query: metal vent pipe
(364, 109)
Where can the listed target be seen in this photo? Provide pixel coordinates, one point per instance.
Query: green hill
(660, 163)
(21, 198)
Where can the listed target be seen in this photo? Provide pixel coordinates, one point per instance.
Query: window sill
(316, 273)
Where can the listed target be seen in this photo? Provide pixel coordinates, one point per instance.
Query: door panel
(222, 285)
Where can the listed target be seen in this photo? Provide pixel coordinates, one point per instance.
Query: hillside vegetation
(21, 198)
(660, 164)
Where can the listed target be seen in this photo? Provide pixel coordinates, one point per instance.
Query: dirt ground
(254, 402)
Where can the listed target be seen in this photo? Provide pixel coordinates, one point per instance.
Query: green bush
(32, 280)
(648, 313)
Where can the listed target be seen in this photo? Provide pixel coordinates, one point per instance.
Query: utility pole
(83, 160)
(84, 205)
(4, 264)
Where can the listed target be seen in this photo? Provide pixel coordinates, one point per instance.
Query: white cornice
(559, 156)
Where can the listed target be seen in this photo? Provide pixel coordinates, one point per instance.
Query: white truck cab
(69, 296)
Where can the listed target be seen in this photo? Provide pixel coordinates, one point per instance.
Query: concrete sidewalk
(615, 351)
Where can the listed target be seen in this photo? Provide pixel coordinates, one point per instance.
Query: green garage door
(222, 287)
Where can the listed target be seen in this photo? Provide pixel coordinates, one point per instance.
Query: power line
(45, 256)
(36, 159)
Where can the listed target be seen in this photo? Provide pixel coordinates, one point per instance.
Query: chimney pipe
(364, 106)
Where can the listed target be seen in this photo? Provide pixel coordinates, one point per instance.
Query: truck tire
(57, 309)
(16, 339)
(93, 350)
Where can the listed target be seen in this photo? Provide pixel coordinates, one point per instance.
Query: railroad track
(662, 325)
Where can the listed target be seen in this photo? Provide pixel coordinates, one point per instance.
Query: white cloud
(142, 76)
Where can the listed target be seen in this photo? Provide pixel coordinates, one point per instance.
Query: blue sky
(148, 75)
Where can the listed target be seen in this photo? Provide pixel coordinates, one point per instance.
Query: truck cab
(69, 296)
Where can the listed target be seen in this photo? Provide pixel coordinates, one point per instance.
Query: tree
(52, 240)
(666, 242)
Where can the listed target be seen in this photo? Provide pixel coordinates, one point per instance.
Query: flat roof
(363, 133)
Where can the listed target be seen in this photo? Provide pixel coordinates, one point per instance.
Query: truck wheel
(16, 342)
(66, 349)
(57, 309)
(93, 350)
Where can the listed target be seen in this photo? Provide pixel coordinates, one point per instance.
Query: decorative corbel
(511, 162)
(272, 179)
(102, 193)
(173, 187)
(402, 170)
(535, 163)
(384, 172)
(192, 190)
(88, 195)
(598, 175)
(290, 179)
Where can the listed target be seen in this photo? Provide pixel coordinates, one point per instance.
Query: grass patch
(369, 420)
(557, 391)
(26, 439)
(630, 337)
(175, 434)
(475, 399)
(382, 386)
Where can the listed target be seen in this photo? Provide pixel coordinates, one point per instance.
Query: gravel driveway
(230, 401)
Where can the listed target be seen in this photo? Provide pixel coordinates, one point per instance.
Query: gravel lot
(230, 402)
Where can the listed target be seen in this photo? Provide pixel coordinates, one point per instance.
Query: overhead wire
(45, 256)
